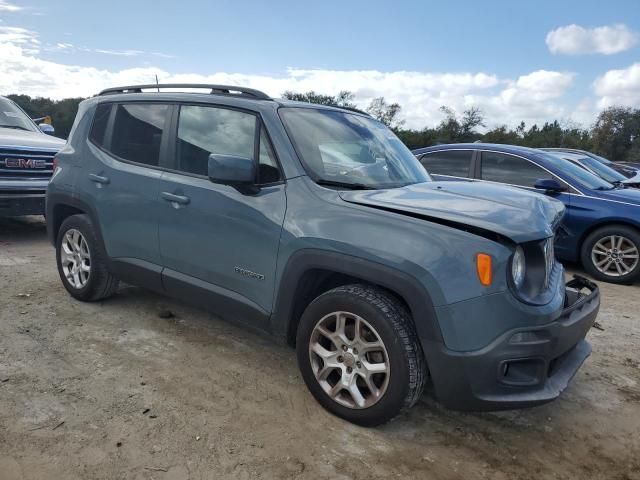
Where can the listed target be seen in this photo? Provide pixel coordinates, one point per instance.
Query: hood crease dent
(485, 209)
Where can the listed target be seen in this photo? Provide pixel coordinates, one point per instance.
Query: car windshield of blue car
(577, 175)
(12, 116)
(349, 150)
(608, 173)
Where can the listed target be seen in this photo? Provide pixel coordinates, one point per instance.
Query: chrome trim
(53, 150)
(530, 161)
(500, 183)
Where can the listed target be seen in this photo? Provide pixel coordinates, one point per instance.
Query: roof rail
(215, 89)
(353, 109)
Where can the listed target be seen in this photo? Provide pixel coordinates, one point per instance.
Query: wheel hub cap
(75, 258)
(349, 360)
(615, 256)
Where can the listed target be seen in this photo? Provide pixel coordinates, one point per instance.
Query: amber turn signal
(484, 268)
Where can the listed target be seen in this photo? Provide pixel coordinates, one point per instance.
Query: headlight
(518, 268)
(532, 270)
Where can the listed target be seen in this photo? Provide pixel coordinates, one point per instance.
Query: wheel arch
(60, 207)
(606, 222)
(310, 272)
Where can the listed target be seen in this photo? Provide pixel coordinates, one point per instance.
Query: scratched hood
(486, 208)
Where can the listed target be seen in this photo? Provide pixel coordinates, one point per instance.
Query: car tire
(387, 340)
(81, 261)
(611, 254)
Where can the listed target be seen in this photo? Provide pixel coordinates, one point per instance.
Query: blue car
(602, 221)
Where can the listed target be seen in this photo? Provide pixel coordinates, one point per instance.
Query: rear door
(221, 244)
(121, 179)
(449, 164)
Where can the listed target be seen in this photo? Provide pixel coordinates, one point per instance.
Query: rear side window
(454, 163)
(100, 121)
(137, 132)
(504, 168)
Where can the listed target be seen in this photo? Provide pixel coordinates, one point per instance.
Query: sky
(517, 61)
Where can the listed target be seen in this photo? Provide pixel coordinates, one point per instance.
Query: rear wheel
(82, 261)
(359, 354)
(612, 254)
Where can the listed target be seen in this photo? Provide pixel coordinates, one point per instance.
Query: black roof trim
(215, 89)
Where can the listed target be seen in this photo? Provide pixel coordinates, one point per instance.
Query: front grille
(550, 258)
(26, 163)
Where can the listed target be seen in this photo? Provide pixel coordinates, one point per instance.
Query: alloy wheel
(349, 360)
(615, 255)
(75, 258)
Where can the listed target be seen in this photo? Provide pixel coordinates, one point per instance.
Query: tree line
(614, 135)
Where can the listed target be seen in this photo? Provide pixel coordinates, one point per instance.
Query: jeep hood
(483, 208)
(10, 137)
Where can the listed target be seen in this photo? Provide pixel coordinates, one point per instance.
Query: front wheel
(359, 354)
(612, 254)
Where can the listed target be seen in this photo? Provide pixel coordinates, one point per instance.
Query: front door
(216, 242)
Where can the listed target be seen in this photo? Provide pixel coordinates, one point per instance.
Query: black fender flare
(57, 199)
(401, 283)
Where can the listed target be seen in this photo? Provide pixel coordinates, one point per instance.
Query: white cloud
(9, 7)
(578, 40)
(533, 97)
(619, 87)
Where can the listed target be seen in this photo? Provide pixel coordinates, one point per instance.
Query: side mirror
(46, 128)
(550, 185)
(239, 172)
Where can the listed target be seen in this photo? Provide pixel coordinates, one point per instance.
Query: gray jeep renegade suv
(316, 225)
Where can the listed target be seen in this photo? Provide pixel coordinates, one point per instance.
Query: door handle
(99, 179)
(179, 199)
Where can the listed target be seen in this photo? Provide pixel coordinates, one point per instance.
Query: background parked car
(602, 222)
(599, 169)
(26, 161)
(628, 169)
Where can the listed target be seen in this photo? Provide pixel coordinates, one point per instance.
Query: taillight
(55, 165)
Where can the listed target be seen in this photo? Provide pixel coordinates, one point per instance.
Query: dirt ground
(112, 391)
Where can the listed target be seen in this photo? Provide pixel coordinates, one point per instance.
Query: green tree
(386, 113)
(342, 99)
(616, 133)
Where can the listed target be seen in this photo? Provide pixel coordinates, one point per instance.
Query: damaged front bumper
(523, 367)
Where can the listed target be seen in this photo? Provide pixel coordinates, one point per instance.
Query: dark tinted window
(206, 130)
(456, 163)
(504, 168)
(100, 120)
(137, 132)
(268, 167)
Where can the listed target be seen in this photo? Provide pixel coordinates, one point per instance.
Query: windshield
(606, 161)
(608, 173)
(350, 150)
(580, 176)
(12, 116)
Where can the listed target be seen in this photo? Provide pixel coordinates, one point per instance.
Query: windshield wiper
(17, 127)
(350, 186)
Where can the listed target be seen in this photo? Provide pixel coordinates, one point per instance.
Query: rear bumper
(523, 367)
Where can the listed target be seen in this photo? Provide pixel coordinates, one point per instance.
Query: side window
(137, 132)
(206, 130)
(268, 171)
(99, 127)
(455, 163)
(504, 168)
